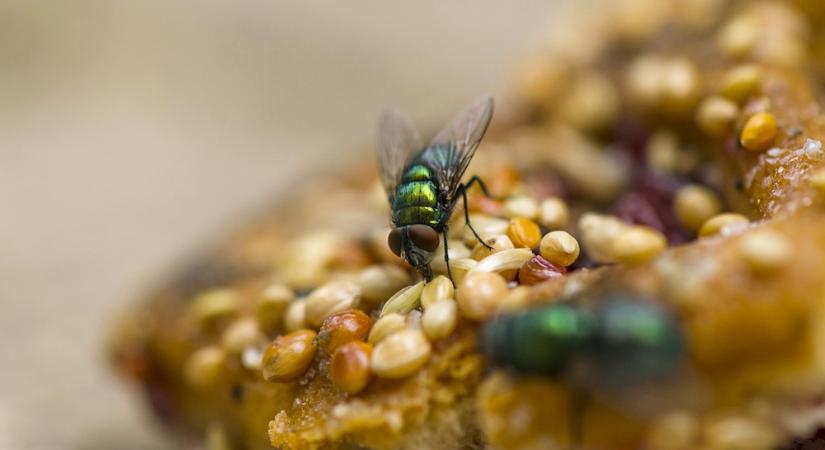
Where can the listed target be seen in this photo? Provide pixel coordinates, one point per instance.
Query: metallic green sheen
(417, 172)
(416, 215)
(636, 341)
(416, 198)
(539, 341)
(416, 193)
(616, 340)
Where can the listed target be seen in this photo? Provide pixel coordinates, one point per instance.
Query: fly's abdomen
(416, 199)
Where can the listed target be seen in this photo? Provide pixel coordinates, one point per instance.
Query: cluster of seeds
(377, 321)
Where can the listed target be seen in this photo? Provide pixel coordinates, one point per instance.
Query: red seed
(538, 270)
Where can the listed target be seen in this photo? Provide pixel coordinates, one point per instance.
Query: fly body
(423, 183)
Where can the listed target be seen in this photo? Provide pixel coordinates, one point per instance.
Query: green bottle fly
(423, 184)
(615, 341)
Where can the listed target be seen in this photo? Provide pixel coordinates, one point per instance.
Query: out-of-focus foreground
(132, 131)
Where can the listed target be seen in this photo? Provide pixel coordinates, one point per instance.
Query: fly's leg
(476, 180)
(426, 272)
(463, 189)
(447, 256)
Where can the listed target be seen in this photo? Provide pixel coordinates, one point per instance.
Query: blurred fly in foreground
(423, 184)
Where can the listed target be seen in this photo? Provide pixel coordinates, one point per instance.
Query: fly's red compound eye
(424, 237)
(394, 241)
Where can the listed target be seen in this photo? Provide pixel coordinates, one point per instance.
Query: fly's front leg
(463, 189)
(427, 273)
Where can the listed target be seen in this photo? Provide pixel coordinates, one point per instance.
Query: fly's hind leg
(476, 180)
(463, 190)
(447, 257)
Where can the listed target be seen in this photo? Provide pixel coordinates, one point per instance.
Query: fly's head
(416, 244)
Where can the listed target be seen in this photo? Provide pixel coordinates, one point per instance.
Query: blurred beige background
(132, 131)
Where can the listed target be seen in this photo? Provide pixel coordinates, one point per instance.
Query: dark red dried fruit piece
(650, 202)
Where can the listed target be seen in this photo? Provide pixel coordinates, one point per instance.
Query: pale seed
(497, 243)
(385, 326)
(599, 231)
(694, 205)
(252, 357)
(295, 315)
(739, 36)
(480, 293)
(240, 334)
(644, 80)
(306, 260)
(764, 250)
(205, 367)
(741, 82)
(721, 222)
(272, 304)
(379, 282)
(560, 248)
(485, 226)
(504, 261)
(681, 85)
(439, 320)
(461, 267)
(662, 152)
(554, 213)
(591, 103)
(520, 206)
(457, 251)
(439, 288)
(405, 300)
(716, 116)
(413, 319)
(333, 297)
(637, 244)
(214, 305)
(400, 355)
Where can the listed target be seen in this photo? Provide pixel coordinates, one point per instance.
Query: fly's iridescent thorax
(416, 198)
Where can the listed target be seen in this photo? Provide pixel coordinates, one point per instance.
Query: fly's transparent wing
(456, 144)
(398, 141)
